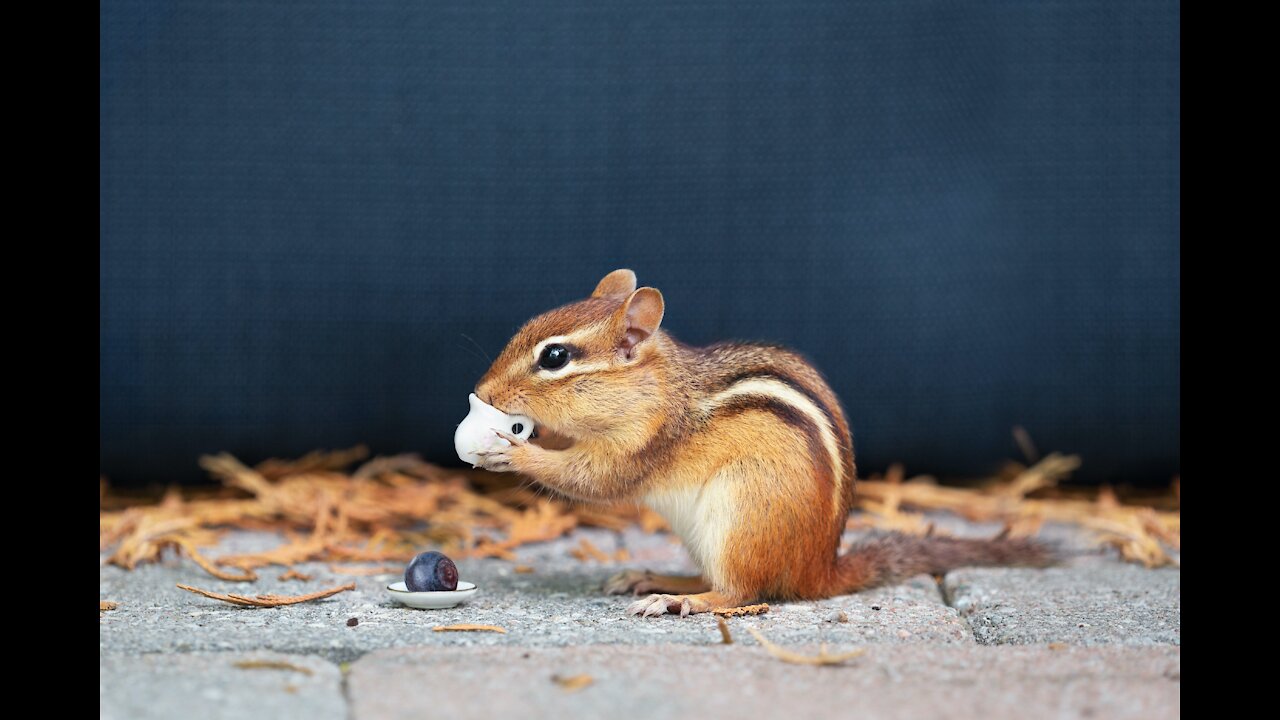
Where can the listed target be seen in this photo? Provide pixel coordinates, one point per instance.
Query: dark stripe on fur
(788, 414)
(774, 374)
(846, 469)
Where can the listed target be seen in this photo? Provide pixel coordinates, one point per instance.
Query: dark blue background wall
(966, 213)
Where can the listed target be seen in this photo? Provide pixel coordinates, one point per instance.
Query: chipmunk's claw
(499, 459)
(515, 441)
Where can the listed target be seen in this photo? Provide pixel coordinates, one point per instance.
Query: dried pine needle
(572, 683)
(271, 665)
(469, 627)
(725, 637)
(268, 600)
(375, 513)
(822, 658)
(587, 550)
(189, 548)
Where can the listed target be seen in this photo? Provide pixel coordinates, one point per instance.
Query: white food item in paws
(476, 431)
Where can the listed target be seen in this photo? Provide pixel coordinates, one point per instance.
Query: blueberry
(431, 571)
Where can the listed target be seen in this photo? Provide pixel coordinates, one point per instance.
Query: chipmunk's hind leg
(646, 581)
(683, 605)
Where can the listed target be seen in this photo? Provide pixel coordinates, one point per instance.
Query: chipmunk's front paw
(496, 460)
(685, 605)
(505, 459)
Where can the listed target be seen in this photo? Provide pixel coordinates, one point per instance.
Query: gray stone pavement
(741, 681)
(1093, 638)
(1092, 602)
(212, 685)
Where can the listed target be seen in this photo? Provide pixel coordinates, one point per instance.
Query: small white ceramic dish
(431, 600)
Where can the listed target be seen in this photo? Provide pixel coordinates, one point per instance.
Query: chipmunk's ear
(619, 283)
(639, 317)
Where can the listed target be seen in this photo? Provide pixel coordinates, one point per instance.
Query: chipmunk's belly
(701, 516)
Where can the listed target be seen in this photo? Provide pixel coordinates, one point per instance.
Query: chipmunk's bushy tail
(896, 557)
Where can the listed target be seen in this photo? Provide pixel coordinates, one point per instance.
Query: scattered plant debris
(573, 683)
(725, 637)
(469, 627)
(822, 658)
(388, 508)
(271, 665)
(760, 609)
(268, 600)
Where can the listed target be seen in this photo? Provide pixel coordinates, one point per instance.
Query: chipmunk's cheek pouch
(476, 431)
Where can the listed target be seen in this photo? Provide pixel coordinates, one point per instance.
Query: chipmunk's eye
(553, 357)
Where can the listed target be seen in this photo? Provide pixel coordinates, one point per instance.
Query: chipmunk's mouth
(547, 438)
(542, 435)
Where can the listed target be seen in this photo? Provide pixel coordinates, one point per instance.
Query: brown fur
(640, 412)
(895, 557)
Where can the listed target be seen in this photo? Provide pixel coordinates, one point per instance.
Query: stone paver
(1090, 601)
(740, 680)
(559, 604)
(211, 685)
(978, 646)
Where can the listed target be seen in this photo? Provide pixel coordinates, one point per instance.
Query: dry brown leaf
(469, 627)
(573, 683)
(268, 600)
(760, 609)
(271, 665)
(822, 658)
(105, 605)
(292, 574)
(522, 569)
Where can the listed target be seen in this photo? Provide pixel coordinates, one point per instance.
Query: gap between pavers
(1089, 601)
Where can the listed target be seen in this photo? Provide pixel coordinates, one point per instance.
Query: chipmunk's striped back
(738, 376)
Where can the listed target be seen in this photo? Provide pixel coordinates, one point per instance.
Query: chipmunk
(742, 448)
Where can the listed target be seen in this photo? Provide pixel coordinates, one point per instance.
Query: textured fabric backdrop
(966, 213)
